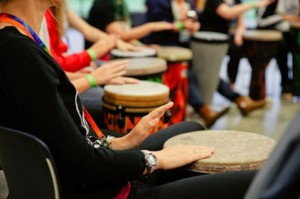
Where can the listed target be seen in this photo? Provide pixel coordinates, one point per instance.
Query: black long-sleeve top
(37, 97)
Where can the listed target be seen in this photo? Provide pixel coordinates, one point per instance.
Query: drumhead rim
(211, 37)
(167, 53)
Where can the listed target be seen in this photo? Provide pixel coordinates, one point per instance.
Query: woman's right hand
(109, 71)
(102, 46)
(175, 156)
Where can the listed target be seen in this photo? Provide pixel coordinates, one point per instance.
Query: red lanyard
(30, 33)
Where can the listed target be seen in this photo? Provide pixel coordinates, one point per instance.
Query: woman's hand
(122, 80)
(191, 25)
(179, 155)
(103, 46)
(124, 46)
(142, 130)
(109, 71)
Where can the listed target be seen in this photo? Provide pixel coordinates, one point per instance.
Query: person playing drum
(112, 16)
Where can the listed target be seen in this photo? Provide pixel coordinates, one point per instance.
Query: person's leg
(282, 61)
(225, 90)
(92, 100)
(244, 103)
(231, 185)
(235, 55)
(200, 107)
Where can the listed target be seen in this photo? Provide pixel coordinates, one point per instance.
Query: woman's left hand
(142, 130)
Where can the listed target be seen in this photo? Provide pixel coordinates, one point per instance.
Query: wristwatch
(151, 161)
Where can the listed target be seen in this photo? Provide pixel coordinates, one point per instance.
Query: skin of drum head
(234, 150)
(262, 35)
(173, 54)
(146, 66)
(210, 37)
(144, 52)
(142, 94)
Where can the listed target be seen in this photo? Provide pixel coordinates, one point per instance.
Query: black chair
(28, 166)
(279, 178)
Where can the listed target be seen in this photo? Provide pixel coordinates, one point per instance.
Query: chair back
(28, 166)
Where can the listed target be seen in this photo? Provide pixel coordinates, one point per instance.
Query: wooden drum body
(125, 105)
(176, 78)
(144, 52)
(148, 68)
(260, 47)
(295, 34)
(234, 150)
(209, 49)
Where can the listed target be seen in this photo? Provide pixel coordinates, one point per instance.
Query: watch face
(152, 160)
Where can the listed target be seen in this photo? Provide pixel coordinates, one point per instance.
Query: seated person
(45, 103)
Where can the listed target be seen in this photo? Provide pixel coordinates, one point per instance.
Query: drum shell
(122, 110)
(176, 78)
(208, 53)
(260, 46)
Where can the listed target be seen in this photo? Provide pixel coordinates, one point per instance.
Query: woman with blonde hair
(38, 98)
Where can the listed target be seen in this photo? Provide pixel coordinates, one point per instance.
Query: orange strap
(92, 123)
(16, 24)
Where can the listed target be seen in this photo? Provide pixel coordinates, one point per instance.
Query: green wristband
(180, 25)
(92, 81)
(253, 5)
(92, 54)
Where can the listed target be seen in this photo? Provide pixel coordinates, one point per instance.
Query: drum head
(143, 94)
(234, 150)
(210, 37)
(144, 52)
(173, 54)
(146, 66)
(262, 35)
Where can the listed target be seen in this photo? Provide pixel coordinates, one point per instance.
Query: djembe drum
(234, 150)
(144, 52)
(176, 78)
(125, 105)
(260, 47)
(295, 34)
(147, 68)
(209, 49)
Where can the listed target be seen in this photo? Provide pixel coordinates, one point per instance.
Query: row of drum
(165, 72)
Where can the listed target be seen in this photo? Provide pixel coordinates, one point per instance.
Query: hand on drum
(191, 25)
(102, 46)
(109, 71)
(124, 46)
(142, 130)
(180, 155)
(123, 80)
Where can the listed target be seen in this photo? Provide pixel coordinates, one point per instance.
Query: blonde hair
(58, 11)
